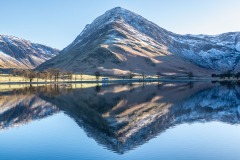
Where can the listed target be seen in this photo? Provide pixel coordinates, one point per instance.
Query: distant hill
(120, 41)
(20, 53)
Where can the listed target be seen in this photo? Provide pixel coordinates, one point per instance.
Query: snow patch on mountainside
(218, 52)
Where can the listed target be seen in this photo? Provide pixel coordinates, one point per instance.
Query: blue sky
(56, 23)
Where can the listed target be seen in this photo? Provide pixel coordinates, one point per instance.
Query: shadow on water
(122, 117)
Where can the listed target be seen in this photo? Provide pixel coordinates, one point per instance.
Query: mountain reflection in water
(122, 117)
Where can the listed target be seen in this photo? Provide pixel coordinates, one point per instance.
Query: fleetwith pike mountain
(120, 41)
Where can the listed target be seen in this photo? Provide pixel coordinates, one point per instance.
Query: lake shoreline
(130, 81)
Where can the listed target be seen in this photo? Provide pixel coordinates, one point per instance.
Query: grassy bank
(10, 79)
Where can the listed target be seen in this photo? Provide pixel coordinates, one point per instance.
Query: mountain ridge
(19, 53)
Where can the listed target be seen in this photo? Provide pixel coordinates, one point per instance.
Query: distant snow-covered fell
(19, 53)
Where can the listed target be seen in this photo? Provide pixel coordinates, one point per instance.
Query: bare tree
(29, 74)
(17, 72)
(43, 75)
(159, 74)
(190, 75)
(143, 75)
(56, 73)
(49, 74)
(130, 74)
(64, 75)
(37, 75)
(53, 73)
(97, 74)
(237, 75)
(69, 75)
(81, 75)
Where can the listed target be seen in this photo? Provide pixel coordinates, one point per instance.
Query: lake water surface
(121, 121)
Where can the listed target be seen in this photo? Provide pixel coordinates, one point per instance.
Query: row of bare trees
(50, 74)
(55, 74)
(130, 75)
(228, 74)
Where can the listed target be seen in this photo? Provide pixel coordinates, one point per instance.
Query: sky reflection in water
(156, 121)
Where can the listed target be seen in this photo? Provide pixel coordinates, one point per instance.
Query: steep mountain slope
(121, 41)
(19, 53)
(117, 42)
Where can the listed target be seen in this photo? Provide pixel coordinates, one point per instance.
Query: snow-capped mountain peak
(119, 41)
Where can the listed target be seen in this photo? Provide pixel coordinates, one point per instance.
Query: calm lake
(120, 121)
